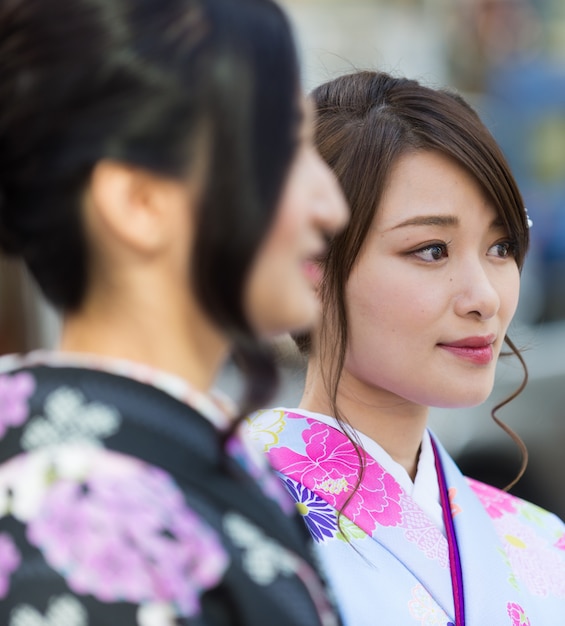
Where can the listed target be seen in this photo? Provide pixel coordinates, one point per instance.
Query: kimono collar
(424, 490)
(215, 406)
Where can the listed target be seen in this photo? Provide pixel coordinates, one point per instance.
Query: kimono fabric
(119, 505)
(501, 561)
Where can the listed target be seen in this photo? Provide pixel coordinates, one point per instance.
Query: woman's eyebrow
(428, 220)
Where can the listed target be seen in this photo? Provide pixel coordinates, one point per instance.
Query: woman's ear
(135, 208)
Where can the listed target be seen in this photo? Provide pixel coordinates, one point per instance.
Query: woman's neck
(171, 336)
(396, 424)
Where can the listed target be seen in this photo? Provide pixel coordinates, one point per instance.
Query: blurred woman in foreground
(158, 178)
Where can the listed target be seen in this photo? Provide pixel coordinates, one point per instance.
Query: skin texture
(436, 268)
(139, 304)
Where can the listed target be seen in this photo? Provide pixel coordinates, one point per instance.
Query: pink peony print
(560, 543)
(15, 391)
(497, 503)
(330, 468)
(517, 615)
(128, 535)
(9, 562)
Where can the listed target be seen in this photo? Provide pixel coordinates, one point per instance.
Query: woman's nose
(478, 294)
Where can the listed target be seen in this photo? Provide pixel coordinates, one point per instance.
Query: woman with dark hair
(158, 178)
(417, 293)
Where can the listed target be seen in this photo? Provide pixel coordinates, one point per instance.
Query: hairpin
(528, 220)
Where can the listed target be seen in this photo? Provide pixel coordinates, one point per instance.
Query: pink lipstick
(475, 349)
(313, 272)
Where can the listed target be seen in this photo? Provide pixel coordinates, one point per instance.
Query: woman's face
(434, 289)
(281, 292)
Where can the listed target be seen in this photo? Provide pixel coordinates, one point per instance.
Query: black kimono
(120, 506)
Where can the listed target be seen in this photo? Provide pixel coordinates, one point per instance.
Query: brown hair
(365, 122)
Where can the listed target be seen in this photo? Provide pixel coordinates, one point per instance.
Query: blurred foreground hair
(172, 86)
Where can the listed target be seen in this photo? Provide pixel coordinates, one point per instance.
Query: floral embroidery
(319, 516)
(61, 611)
(495, 502)
(517, 615)
(419, 529)
(9, 562)
(15, 392)
(263, 558)
(82, 525)
(532, 559)
(70, 418)
(264, 427)
(425, 610)
(330, 468)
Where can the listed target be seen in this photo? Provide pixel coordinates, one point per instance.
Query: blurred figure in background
(500, 53)
(158, 178)
(418, 293)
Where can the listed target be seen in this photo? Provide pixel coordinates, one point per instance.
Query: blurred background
(507, 57)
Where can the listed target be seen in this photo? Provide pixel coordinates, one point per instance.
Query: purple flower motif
(319, 516)
(128, 535)
(9, 562)
(15, 391)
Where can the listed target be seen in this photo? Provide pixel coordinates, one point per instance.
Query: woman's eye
(434, 252)
(502, 249)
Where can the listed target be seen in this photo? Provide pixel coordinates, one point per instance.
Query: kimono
(121, 505)
(498, 560)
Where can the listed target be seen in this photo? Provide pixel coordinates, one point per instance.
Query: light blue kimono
(388, 562)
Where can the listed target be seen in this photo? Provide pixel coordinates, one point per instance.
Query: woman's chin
(295, 319)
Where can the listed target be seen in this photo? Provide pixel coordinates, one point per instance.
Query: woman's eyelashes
(439, 250)
(503, 249)
(431, 252)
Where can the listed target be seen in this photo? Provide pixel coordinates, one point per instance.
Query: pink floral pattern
(85, 531)
(496, 502)
(330, 467)
(316, 460)
(424, 533)
(15, 391)
(517, 615)
(532, 558)
(9, 562)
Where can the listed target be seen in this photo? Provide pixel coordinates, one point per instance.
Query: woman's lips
(313, 272)
(478, 350)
